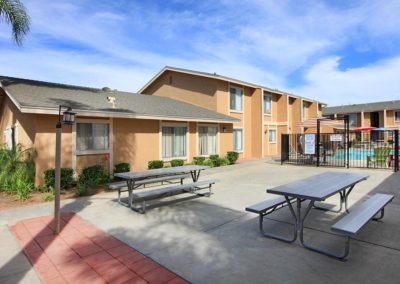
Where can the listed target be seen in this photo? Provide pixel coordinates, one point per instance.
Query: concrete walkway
(213, 240)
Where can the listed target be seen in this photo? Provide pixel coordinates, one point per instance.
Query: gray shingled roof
(368, 107)
(221, 77)
(45, 95)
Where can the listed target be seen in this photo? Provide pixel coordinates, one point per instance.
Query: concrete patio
(214, 240)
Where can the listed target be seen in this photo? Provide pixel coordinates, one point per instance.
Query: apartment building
(378, 114)
(263, 113)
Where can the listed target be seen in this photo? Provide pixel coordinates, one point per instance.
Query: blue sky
(338, 52)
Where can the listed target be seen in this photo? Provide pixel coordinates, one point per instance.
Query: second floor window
(267, 104)
(272, 136)
(92, 136)
(397, 116)
(305, 111)
(236, 98)
(353, 119)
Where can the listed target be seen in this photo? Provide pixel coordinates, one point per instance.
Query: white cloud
(376, 82)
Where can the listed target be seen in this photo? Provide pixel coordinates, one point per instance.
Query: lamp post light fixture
(68, 117)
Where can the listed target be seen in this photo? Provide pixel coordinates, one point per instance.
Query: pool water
(355, 154)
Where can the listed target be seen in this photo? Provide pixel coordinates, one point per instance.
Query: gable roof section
(219, 77)
(43, 97)
(368, 107)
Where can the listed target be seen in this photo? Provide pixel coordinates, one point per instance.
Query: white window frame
(242, 98)
(269, 136)
(304, 110)
(396, 120)
(233, 132)
(263, 102)
(174, 124)
(217, 126)
(12, 128)
(93, 152)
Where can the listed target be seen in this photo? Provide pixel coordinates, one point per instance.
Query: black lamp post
(68, 117)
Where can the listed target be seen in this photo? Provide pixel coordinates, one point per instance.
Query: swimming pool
(355, 154)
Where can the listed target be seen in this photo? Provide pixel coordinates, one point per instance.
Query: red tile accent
(143, 266)
(159, 276)
(82, 253)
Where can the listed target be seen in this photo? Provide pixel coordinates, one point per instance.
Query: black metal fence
(373, 149)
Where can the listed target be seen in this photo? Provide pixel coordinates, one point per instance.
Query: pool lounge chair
(380, 158)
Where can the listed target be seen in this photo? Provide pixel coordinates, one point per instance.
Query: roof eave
(54, 111)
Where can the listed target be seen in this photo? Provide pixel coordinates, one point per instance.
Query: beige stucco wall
(10, 115)
(193, 144)
(136, 142)
(199, 91)
(45, 141)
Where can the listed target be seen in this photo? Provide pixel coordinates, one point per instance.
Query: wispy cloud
(124, 43)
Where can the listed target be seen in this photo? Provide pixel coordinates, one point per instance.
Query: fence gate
(372, 149)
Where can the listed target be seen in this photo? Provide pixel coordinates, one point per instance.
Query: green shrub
(232, 157)
(208, 163)
(67, 178)
(177, 163)
(17, 170)
(93, 175)
(218, 162)
(82, 190)
(199, 160)
(155, 164)
(48, 196)
(122, 168)
(214, 157)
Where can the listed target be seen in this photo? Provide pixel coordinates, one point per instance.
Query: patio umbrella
(362, 129)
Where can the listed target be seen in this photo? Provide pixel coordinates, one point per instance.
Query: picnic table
(133, 177)
(313, 189)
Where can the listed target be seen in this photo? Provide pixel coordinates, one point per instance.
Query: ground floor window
(10, 138)
(208, 140)
(92, 136)
(272, 136)
(173, 141)
(238, 139)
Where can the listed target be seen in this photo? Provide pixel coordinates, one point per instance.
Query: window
(238, 139)
(267, 104)
(272, 136)
(236, 98)
(207, 140)
(353, 119)
(397, 116)
(10, 138)
(92, 136)
(305, 111)
(173, 141)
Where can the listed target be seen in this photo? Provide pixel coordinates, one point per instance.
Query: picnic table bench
(352, 223)
(319, 188)
(144, 196)
(122, 186)
(135, 179)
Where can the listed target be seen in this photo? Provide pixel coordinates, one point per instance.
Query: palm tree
(13, 12)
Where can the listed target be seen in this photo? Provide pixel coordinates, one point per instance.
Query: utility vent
(111, 100)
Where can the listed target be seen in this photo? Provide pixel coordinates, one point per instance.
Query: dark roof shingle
(368, 107)
(46, 95)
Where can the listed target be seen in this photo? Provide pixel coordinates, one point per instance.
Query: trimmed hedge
(67, 178)
(122, 168)
(232, 157)
(155, 164)
(199, 160)
(93, 175)
(177, 163)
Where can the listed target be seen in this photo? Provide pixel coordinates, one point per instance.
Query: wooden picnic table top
(160, 172)
(319, 187)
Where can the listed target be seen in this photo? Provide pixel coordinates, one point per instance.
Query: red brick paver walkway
(82, 253)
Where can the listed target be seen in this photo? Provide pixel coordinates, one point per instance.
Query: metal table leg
(343, 200)
(315, 249)
(195, 175)
(277, 237)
